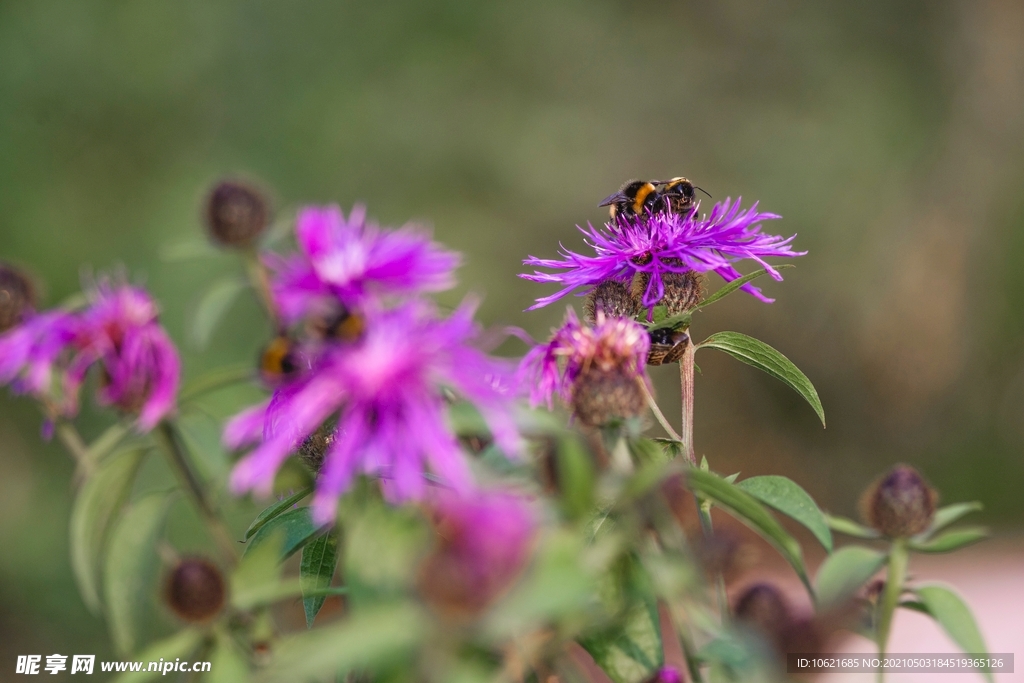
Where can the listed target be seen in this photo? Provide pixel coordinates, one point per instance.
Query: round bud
(602, 395)
(236, 213)
(900, 503)
(762, 608)
(683, 290)
(614, 299)
(196, 590)
(17, 296)
(313, 449)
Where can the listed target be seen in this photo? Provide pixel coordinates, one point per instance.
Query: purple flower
(666, 243)
(349, 260)
(612, 345)
(483, 543)
(120, 332)
(386, 392)
(666, 674)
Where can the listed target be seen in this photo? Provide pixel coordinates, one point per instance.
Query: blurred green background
(888, 134)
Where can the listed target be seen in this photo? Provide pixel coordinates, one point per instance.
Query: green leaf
(851, 528)
(100, 499)
(319, 560)
(227, 663)
(575, 478)
(954, 616)
(951, 540)
(215, 302)
(130, 566)
(843, 573)
(464, 418)
(108, 441)
(368, 639)
(631, 653)
(732, 286)
(179, 646)
(297, 528)
(275, 510)
(257, 575)
(214, 380)
(680, 321)
(748, 510)
(788, 498)
(947, 515)
(763, 357)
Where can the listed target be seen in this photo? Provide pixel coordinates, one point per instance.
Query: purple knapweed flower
(666, 243)
(350, 259)
(594, 368)
(386, 393)
(666, 674)
(120, 332)
(483, 544)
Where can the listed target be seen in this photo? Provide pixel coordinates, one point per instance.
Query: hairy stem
(660, 416)
(175, 451)
(686, 387)
(898, 559)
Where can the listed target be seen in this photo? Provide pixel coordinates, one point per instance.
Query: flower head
(348, 260)
(483, 543)
(120, 332)
(602, 364)
(900, 503)
(195, 590)
(654, 245)
(383, 394)
(237, 214)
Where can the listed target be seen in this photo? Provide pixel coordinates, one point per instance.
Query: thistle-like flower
(654, 245)
(602, 367)
(383, 396)
(119, 331)
(900, 503)
(483, 544)
(348, 260)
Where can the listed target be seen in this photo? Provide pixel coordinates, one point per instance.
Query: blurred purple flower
(120, 332)
(666, 674)
(386, 392)
(666, 243)
(611, 345)
(484, 542)
(350, 259)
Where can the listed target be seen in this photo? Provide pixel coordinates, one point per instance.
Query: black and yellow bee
(633, 198)
(677, 196)
(279, 359)
(343, 325)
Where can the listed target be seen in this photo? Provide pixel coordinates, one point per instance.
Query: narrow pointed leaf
(215, 302)
(214, 380)
(98, 502)
(734, 285)
(763, 357)
(274, 510)
(788, 498)
(106, 442)
(849, 527)
(680, 321)
(954, 616)
(949, 514)
(319, 561)
(179, 646)
(633, 652)
(131, 563)
(951, 540)
(296, 526)
(844, 572)
(748, 510)
(227, 663)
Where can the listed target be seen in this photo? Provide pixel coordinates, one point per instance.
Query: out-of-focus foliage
(888, 135)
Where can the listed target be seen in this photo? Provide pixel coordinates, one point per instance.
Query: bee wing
(613, 199)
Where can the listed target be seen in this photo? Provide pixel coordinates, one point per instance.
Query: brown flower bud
(601, 395)
(196, 590)
(313, 448)
(236, 213)
(762, 608)
(900, 503)
(683, 290)
(17, 296)
(614, 299)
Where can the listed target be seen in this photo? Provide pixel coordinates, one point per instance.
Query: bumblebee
(677, 196)
(343, 325)
(279, 359)
(634, 197)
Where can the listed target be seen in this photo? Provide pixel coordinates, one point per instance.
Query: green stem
(662, 420)
(898, 559)
(175, 451)
(686, 388)
(79, 450)
(258, 277)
